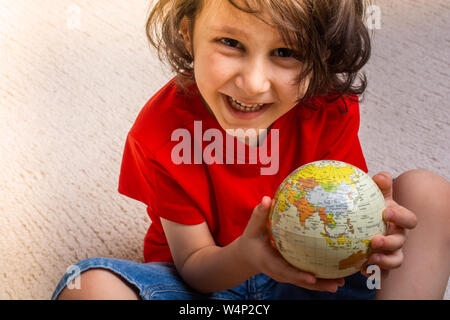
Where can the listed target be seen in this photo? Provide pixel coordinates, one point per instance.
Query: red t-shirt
(223, 195)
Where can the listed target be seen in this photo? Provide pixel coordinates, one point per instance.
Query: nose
(254, 78)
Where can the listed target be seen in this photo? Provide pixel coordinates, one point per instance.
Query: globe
(324, 217)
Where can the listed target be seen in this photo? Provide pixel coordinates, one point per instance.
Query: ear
(184, 31)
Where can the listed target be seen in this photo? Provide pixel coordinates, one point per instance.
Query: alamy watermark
(373, 17)
(74, 280)
(214, 151)
(73, 20)
(374, 280)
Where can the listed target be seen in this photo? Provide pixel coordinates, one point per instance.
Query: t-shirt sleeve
(143, 179)
(341, 136)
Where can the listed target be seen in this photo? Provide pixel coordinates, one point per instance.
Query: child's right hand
(263, 257)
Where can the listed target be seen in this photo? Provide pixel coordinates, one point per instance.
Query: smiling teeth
(245, 107)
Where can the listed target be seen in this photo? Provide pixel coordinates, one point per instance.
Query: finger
(392, 228)
(266, 202)
(400, 216)
(280, 270)
(387, 261)
(384, 182)
(258, 220)
(389, 243)
(325, 285)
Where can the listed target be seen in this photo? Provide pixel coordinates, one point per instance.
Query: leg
(426, 266)
(110, 278)
(100, 284)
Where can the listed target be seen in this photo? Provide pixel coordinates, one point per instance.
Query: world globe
(324, 217)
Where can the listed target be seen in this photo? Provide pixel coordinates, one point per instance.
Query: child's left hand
(387, 250)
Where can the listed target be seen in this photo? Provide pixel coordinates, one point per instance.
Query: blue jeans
(160, 281)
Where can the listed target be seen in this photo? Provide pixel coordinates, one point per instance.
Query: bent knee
(100, 284)
(422, 181)
(425, 193)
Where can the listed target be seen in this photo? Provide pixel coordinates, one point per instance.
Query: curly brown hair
(329, 35)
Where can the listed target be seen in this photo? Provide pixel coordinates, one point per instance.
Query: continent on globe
(325, 215)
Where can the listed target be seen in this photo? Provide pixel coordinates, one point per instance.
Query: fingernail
(380, 243)
(311, 280)
(376, 258)
(389, 214)
(266, 199)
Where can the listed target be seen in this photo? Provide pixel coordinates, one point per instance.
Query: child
(276, 79)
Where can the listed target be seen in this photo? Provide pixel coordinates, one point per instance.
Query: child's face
(237, 55)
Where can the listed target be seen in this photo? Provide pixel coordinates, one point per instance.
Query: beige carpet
(74, 75)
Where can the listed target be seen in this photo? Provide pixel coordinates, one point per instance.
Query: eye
(229, 42)
(286, 53)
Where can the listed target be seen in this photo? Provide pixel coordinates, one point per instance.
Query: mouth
(242, 110)
(245, 107)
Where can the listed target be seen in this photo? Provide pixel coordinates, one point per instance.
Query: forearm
(214, 268)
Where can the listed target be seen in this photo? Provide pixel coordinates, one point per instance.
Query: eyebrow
(233, 31)
(230, 30)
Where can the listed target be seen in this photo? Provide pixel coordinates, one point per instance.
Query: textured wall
(74, 75)
(406, 113)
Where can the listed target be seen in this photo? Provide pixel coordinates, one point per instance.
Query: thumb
(384, 182)
(258, 221)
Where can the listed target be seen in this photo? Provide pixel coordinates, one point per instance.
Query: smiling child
(275, 79)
